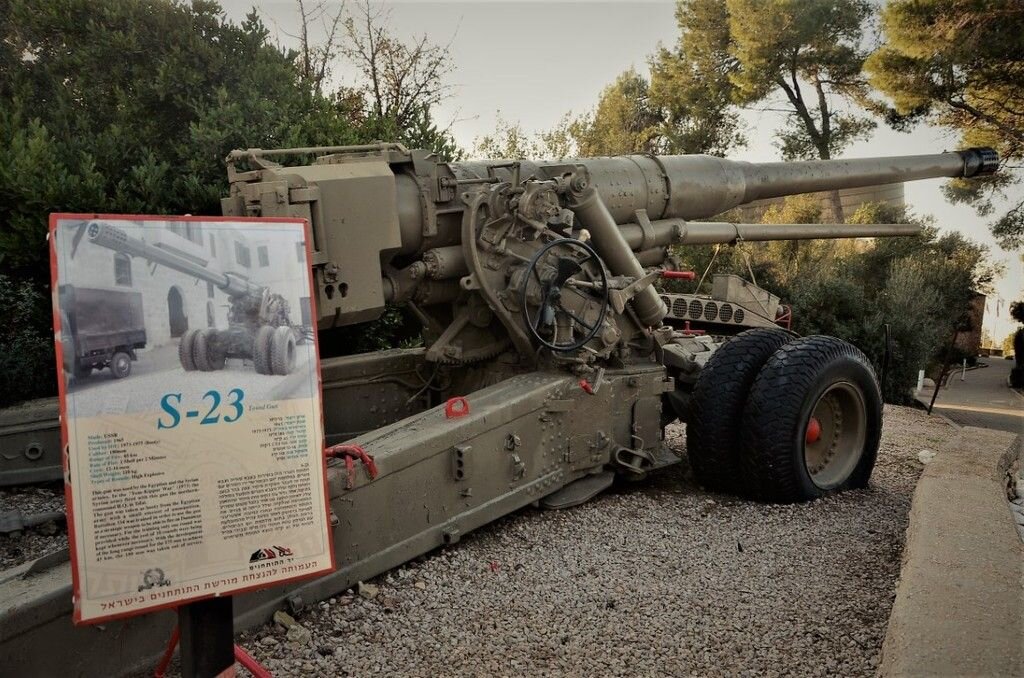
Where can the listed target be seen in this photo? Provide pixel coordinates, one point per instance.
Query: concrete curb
(959, 607)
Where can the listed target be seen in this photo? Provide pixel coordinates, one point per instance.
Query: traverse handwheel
(564, 295)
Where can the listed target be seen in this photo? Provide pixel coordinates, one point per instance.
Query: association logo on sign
(270, 553)
(153, 577)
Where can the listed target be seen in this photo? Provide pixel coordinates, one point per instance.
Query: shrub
(27, 365)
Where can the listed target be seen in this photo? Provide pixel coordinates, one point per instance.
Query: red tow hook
(350, 453)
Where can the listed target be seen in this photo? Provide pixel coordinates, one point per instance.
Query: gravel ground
(35, 541)
(655, 578)
(652, 578)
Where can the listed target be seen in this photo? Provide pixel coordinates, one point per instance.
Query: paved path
(982, 399)
(959, 608)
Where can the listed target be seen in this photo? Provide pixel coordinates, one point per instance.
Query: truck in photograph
(102, 328)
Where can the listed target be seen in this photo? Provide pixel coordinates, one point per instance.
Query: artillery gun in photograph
(547, 367)
(258, 329)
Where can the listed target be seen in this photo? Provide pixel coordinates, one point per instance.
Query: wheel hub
(813, 431)
(835, 435)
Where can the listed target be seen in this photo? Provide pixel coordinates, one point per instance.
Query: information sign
(190, 408)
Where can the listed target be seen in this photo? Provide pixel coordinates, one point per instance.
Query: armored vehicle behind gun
(547, 367)
(259, 328)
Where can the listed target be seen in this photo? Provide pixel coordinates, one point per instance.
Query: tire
(261, 346)
(200, 351)
(282, 354)
(185, 346)
(787, 457)
(216, 355)
(82, 371)
(713, 434)
(121, 365)
(206, 354)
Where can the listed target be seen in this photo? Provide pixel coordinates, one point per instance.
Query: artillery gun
(547, 367)
(258, 329)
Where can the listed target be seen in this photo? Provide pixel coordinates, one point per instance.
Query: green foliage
(139, 115)
(957, 64)
(393, 329)
(1007, 344)
(690, 84)
(795, 209)
(508, 142)
(130, 106)
(748, 52)
(684, 108)
(777, 45)
(27, 367)
(420, 130)
(1017, 311)
(624, 121)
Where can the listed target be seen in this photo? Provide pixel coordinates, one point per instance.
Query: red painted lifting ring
(456, 407)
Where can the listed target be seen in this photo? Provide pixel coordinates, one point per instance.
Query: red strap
(350, 454)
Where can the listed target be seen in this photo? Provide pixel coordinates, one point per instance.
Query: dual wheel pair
(273, 350)
(201, 350)
(784, 419)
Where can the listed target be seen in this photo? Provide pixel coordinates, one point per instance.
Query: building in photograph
(175, 301)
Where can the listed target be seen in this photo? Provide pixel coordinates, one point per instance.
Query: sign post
(207, 638)
(191, 415)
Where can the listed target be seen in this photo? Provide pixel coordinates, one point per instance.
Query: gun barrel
(707, 233)
(774, 179)
(701, 186)
(114, 238)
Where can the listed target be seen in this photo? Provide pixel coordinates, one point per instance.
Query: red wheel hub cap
(813, 431)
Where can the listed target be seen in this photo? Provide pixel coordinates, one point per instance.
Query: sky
(532, 62)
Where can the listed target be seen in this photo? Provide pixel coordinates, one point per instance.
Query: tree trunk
(837, 207)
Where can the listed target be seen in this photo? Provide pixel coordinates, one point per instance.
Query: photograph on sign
(191, 411)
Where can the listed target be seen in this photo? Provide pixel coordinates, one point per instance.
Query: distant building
(182, 301)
